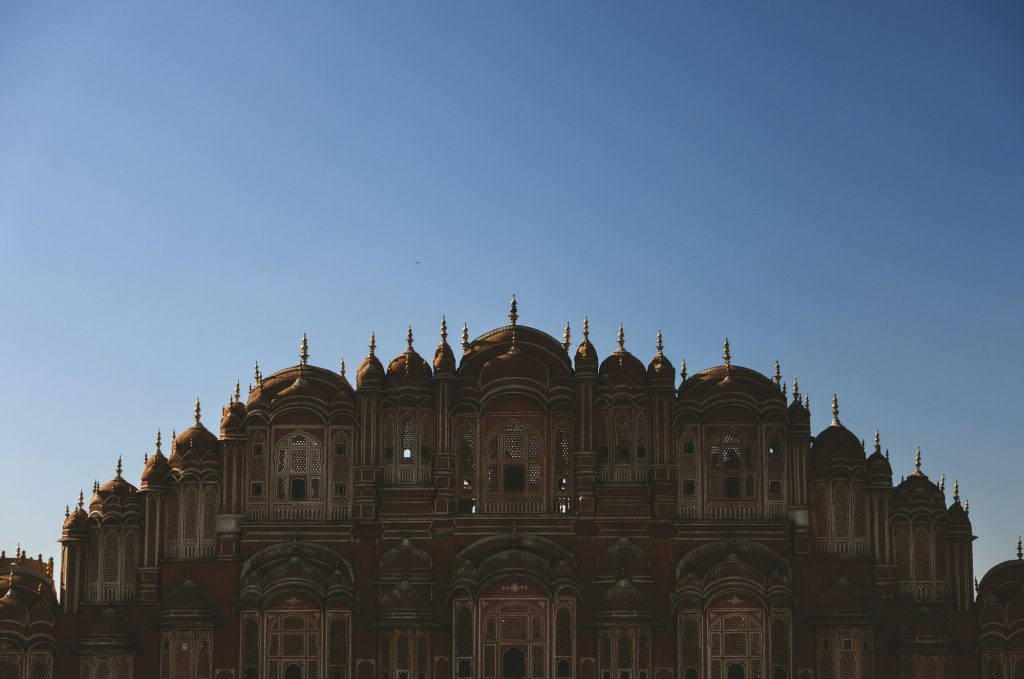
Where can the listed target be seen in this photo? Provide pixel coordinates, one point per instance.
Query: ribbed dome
(660, 369)
(156, 470)
(623, 366)
(370, 372)
(409, 368)
(444, 357)
(837, 442)
(730, 379)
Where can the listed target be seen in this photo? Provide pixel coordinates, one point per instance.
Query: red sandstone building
(524, 511)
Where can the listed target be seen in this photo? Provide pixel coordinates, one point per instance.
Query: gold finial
(95, 486)
(373, 343)
(408, 338)
(119, 467)
(566, 337)
(942, 482)
(956, 491)
(1020, 551)
(341, 367)
(250, 388)
(238, 391)
(807, 402)
(444, 330)
(660, 346)
(586, 328)
(976, 588)
(257, 375)
(878, 443)
(796, 391)
(303, 351)
(682, 372)
(81, 500)
(67, 511)
(465, 338)
(198, 410)
(785, 389)
(778, 374)
(917, 462)
(145, 459)
(622, 339)
(726, 355)
(835, 410)
(158, 440)
(513, 317)
(967, 507)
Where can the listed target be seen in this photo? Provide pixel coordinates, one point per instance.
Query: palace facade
(524, 510)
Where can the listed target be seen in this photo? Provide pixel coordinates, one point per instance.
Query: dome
(924, 627)
(108, 631)
(1002, 581)
(76, 519)
(409, 369)
(622, 365)
(727, 380)
(444, 357)
(156, 470)
(196, 438)
(958, 519)
(233, 419)
(918, 493)
(660, 369)
(188, 604)
(586, 357)
(370, 372)
(623, 601)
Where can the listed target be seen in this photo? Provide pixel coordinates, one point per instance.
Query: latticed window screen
(9, 668)
(257, 468)
(250, 643)
(463, 631)
(467, 459)
(111, 565)
(922, 555)
(901, 542)
(39, 668)
(408, 430)
(190, 507)
(341, 463)
(337, 643)
(689, 642)
(131, 559)
(563, 632)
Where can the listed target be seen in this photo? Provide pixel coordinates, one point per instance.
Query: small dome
(444, 357)
(76, 519)
(409, 368)
(879, 468)
(156, 470)
(958, 519)
(925, 627)
(586, 358)
(370, 372)
(918, 492)
(798, 414)
(196, 438)
(836, 442)
(660, 369)
(729, 380)
(623, 366)
(188, 604)
(232, 421)
(108, 631)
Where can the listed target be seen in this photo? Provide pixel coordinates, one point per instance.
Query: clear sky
(188, 187)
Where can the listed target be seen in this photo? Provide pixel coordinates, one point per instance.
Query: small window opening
(641, 452)
(623, 453)
(257, 490)
(298, 488)
(257, 449)
(689, 488)
(514, 481)
(562, 483)
(732, 486)
(407, 454)
(602, 452)
(340, 489)
(775, 487)
(389, 452)
(688, 448)
(467, 484)
(341, 450)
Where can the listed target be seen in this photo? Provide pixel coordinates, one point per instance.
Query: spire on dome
(835, 411)
(660, 347)
(566, 337)
(373, 343)
(917, 462)
(942, 482)
(513, 317)
(198, 410)
(586, 328)
(119, 468)
(257, 375)
(785, 389)
(67, 511)
(158, 440)
(1020, 552)
(622, 339)
(807, 402)
(778, 374)
(682, 372)
(726, 356)
(878, 443)
(303, 351)
(81, 500)
(956, 492)
(408, 338)
(465, 338)
(796, 391)
(444, 330)
(967, 507)
(341, 367)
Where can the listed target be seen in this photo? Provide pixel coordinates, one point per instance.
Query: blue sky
(187, 188)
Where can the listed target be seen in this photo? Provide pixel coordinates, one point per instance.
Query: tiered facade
(525, 511)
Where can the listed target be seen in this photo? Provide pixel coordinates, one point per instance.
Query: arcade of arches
(514, 507)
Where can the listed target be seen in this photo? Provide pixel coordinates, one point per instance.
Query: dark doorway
(513, 664)
(293, 671)
(736, 671)
(514, 481)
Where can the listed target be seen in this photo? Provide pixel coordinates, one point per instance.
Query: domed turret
(116, 487)
(799, 414)
(959, 520)
(409, 369)
(660, 371)
(878, 464)
(586, 354)
(75, 520)
(371, 372)
(197, 440)
(232, 422)
(444, 357)
(622, 366)
(918, 493)
(156, 469)
(836, 441)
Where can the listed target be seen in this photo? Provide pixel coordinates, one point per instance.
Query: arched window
(257, 469)
(467, 469)
(514, 468)
(563, 470)
(407, 453)
(341, 463)
(565, 636)
(624, 653)
(731, 468)
(408, 430)
(131, 559)
(463, 639)
(337, 649)
(300, 461)
(922, 555)
(191, 520)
